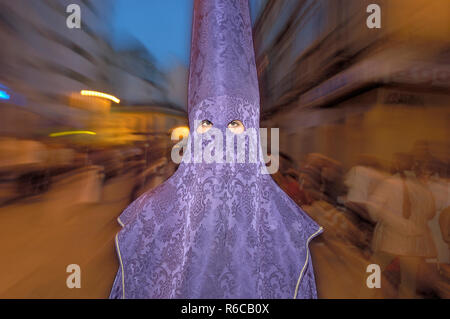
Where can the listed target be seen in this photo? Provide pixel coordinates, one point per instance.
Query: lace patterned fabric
(220, 230)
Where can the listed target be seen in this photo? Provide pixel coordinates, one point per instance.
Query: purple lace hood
(217, 230)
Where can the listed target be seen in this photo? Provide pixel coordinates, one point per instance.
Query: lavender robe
(218, 230)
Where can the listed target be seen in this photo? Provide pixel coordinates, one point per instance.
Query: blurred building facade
(134, 76)
(336, 87)
(45, 65)
(177, 78)
(45, 62)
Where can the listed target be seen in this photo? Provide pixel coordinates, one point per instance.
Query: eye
(236, 127)
(204, 126)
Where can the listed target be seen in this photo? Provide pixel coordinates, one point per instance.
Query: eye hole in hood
(236, 126)
(204, 126)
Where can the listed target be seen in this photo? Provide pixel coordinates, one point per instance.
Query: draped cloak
(217, 230)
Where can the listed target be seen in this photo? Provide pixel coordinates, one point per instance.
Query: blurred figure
(22, 167)
(444, 223)
(80, 186)
(361, 181)
(439, 187)
(344, 247)
(322, 178)
(156, 173)
(401, 207)
(289, 182)
(436, 273)
(321, 182)
(293, 188)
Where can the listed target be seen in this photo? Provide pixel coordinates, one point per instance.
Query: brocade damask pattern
(217, 230)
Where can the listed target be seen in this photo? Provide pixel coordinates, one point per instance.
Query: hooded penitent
(217, 230)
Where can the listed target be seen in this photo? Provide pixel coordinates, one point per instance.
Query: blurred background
(87, 115)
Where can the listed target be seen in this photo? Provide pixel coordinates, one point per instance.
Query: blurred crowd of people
(29, 168)
(396, 215)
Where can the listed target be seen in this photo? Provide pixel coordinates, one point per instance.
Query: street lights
(101, 95)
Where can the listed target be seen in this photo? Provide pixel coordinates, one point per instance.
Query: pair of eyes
(234, 126)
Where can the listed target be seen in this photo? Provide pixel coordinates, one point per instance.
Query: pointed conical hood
(223, 84)
(217, 230)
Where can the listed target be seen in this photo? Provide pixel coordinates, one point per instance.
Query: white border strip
(121, 266)
(306, 261)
